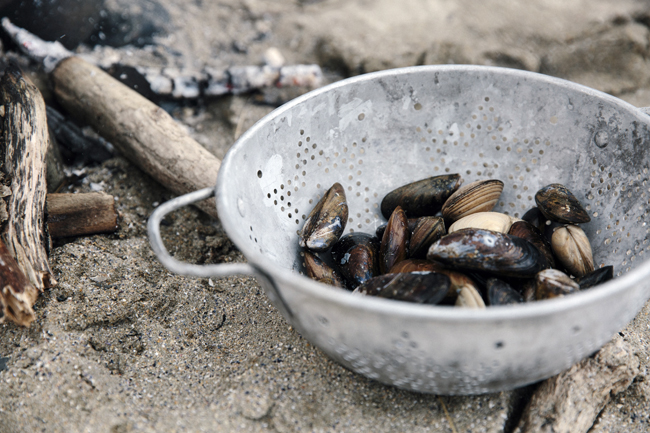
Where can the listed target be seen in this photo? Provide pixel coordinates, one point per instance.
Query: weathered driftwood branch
(22, 163)
(80, 214)
(139, 129)
(17, 293)
(571, 401)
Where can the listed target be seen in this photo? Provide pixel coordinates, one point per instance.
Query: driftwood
(17, 293)
(139, 129)
(22, 159)
(571, 401)
(80, 214)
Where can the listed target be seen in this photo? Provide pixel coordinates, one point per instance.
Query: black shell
(500, 293)
(596, 277)
(488, 251)
(529, 232)
(559, 204)
(422, 198)
(419, 287)
(395, 242)
(427, 230)
(356, 255)
(320, 271)
(326, 222)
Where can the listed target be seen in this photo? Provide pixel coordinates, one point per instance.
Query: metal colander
(378, 131)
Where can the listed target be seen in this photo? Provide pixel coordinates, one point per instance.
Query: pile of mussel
(442, 244)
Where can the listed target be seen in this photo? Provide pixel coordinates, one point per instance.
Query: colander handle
(182, 268)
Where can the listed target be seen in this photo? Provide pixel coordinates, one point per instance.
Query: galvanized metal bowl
(378, 131)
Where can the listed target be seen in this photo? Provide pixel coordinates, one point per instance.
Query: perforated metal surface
(377, 132)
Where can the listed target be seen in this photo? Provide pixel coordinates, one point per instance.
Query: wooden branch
(80, 214)
(17, 294)
(571, 401)
(138, 128)
(22, 166)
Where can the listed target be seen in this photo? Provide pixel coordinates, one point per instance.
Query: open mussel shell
(395, 241)
(469, 297)
(488, 251)
(320, 271)
(427, 230)
(357, 257)
(500, 293)
(552, 283)
(495, 221)
(528, 231)
(420, 287)
(596, 277)
(422, 198)
(326, 222)
(479, 196)
(572, 249)
(559, 204)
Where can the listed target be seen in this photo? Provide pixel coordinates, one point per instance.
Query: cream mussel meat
(488, 251)
(356, 256)
(326, 222)
(418, 287)
(495, 221)
(573, 250)
(469, 297)
(422, 198)
(559, 204)
(479, 196)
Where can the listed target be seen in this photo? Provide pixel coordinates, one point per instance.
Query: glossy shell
(420, 287)
(394, 242)
(529, 232)
(427, 230)
(356, 256)
(572, 249)
(500, 293)
(326, 222)
(488, 251)
(559, 204)
(320, 271)
(422, 198)
(479, 196)
(596, 277)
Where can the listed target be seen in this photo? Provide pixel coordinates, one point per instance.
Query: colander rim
(282, 276)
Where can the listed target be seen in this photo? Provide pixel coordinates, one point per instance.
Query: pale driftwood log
(138, 128)
(17, 293)
(22, 163)
(80, 214)
(571, 401)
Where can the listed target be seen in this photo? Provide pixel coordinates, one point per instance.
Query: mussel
(596, 277)
(326, 222)
(320, 271)
(427, 230)
(488, 251)
(357, 257)
(572, 249)
(469, 297)
(559, 204)
(395, 241)
(422, 198)
(500, 293)
(419, 287)
(479, 196)
(552, 283)
(528, 231)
